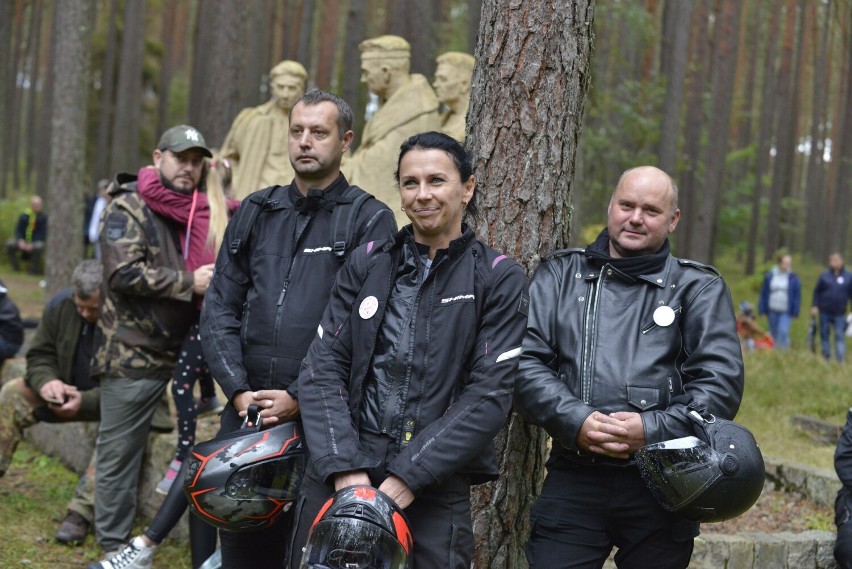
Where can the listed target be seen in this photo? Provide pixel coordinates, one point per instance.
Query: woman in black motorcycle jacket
(413, 367)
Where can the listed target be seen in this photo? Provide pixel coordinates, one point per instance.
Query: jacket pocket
(645, 398)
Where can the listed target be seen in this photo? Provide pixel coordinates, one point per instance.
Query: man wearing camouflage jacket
(148, 307)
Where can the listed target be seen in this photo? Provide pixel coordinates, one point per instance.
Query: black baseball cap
(183, 137)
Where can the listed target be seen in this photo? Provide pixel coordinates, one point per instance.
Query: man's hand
(201, 278)
(617, 435)
(815, 311)
(276, 405)
(353, 478)
(398, 491)
(63, 400)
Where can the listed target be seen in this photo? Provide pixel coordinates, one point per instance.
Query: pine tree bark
(673, 65)
(352, 93)
(815, 240)
(68, 140)
(103, 151)
(327, 56)
(764, 137)
(695, 119)
(527, 100)
(128, 95)
(844, 155)
(220, 98)
(782, 133)
(726, 38)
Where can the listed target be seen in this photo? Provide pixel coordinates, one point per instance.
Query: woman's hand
(352, 478)
(398, 491)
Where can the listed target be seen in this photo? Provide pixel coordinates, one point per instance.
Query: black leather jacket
(593, 343)
(461, 338)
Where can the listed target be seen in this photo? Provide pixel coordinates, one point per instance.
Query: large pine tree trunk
(125, 131)
(328, 31)
(722, 84)
(33, 108)
(527, 99)
(844, 155)
(356, 24)
(783, 133)
(5, 78)
(815, 241)
(68, 141)
(764, 137)
(695, 119)
(103, 153)
(675, 49)
(220, 91)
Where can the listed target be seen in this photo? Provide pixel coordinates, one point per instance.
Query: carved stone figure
(407, 105)
(452, 85)
(257, 142)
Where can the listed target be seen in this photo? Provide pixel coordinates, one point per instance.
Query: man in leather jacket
(622, 341)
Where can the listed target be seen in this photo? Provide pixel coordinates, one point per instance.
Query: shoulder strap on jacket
(562, 252)
(344, 216)
(710, 269)
(245, 220)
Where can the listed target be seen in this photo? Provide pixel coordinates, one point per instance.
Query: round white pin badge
(664, 316)
(368, 307)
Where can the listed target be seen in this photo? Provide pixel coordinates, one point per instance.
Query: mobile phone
(55, 401)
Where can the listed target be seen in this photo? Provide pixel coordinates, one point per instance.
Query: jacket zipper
(588, 338)
(393, 398)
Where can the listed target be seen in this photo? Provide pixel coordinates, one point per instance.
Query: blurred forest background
(748, 103)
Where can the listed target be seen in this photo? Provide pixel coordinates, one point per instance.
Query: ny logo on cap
(192, 134)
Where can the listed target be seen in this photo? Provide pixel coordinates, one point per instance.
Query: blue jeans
(827, 322)
(779, 327)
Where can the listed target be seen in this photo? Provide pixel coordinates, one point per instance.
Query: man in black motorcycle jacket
(623, 339)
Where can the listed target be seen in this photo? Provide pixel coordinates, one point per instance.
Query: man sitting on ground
(57, 387)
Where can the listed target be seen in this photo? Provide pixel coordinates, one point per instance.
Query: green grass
(33, 497)
(781, 384)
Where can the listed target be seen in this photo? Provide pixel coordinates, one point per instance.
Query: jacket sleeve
(324, 381)
(42, 357)
(445, 446)
(712, 371)
(763, 300)
(21, 227)
(795, 295)
(817, 292)
(127, 269)
(222, 312)
(541, 396)
(843, 454)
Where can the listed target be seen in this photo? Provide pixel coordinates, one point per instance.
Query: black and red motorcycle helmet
(359, 527)
(242, 481)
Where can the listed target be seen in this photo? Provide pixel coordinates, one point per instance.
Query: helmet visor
(277, 479)
(677, 471)
(350, 543)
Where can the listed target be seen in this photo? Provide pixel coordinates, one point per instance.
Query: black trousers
(439, 518)
(583, 511)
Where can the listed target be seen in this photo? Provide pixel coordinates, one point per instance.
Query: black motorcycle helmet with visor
(244, 480)
(713, 476)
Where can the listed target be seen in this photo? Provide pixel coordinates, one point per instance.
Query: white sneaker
(134, 555)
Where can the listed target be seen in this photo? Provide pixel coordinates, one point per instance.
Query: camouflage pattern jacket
(147, 293)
